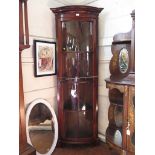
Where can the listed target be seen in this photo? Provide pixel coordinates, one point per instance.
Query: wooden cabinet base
(27, 150)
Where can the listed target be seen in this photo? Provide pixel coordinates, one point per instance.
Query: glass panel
(76, 95)
(78, 64)
(114, 135)
(72, 60)
(71, 124)
(77, 36)
(85, 124)
(70, 96)
(86, 94)
(115, 114)
(78, 105)
(78, 124)
(41, 128)
(77, 46)
(123, 60)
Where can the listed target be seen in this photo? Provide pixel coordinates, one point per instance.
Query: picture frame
(44, 58)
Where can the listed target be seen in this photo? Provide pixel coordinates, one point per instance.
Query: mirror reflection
(123, 60)
(42, 127)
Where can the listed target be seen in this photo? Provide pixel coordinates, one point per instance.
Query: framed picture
(44, 58)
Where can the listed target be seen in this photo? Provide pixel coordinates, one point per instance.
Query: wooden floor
(99, 149)
(42, 144)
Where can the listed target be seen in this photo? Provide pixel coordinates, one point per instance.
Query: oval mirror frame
(28, 111)
(123, 60)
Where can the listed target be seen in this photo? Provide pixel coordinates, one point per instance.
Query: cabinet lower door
(77, 99)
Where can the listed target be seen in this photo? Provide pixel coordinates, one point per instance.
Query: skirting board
(102, 137)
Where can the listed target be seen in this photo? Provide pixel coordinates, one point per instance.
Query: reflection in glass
(78, 108)
(77, 36)
(86, 65)
(73, 100)
(77, 45)
(71, 65)
(123, 60)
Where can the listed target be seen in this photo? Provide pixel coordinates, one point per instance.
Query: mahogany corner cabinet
(77, 73)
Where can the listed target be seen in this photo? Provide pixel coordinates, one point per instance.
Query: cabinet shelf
(77, 52)
(61, 79)
(88, 109)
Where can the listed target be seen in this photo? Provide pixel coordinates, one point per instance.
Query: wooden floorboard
(99, 149)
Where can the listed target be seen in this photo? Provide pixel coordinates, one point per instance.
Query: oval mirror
(123, 60)
(41, 127)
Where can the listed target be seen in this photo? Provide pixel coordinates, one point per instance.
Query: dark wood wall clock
(120, 133)
(77, 72)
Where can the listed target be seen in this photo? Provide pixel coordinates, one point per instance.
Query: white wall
(41, 27)
(115, 18)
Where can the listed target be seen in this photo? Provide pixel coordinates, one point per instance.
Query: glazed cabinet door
(78, 109)
(77, 76)
(77, 28)
(76, 55)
